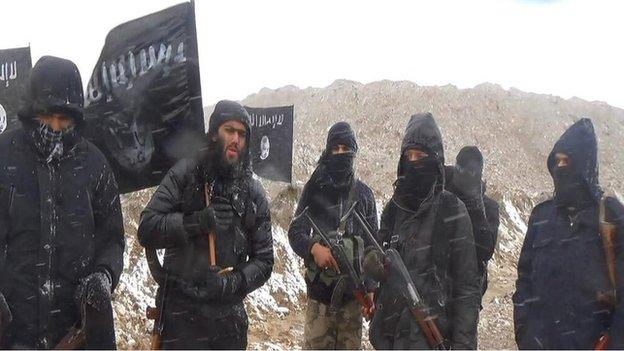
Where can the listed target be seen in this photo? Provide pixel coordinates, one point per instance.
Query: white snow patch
(290, 282)
(514, 215)
(268, 346)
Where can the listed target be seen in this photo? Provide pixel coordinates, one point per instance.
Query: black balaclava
(417, 181)
(224, 111)
(54, 87)
(570, 190)
(338, 168)
(576, 185)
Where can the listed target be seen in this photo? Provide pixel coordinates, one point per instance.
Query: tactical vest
(329, 286)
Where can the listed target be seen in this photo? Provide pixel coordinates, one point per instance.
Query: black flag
(272, 141)
(144, 107)
(15, 66)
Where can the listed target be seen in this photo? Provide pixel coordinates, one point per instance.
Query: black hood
(579, 143)
(423, 132)
(54, 86)
(339, 133)
(227, 110)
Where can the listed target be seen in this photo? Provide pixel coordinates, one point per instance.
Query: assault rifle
(394, 264)
(344, 264)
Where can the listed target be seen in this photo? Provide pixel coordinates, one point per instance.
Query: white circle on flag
(265, 147)
(3, 119)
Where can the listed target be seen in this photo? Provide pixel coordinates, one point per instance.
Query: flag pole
(194, 74)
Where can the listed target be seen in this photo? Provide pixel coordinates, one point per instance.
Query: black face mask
(417, 181)
(340, 168)
(570, 189)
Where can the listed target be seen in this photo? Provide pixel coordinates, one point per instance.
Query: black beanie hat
(227, 110)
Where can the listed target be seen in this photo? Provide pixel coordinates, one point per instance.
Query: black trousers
(99, 330)
(193, 327)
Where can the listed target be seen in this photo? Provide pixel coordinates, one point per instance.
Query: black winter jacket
(248, 247)
(437, 247)
(59, 222)
(562, 268)
(324, 207)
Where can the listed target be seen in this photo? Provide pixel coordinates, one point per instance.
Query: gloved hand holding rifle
(339, 260)
(380, 262)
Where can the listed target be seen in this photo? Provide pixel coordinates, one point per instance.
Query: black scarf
(339, 168)
(571, 191)
(51, 144)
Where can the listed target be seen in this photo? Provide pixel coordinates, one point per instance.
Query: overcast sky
(564, 48)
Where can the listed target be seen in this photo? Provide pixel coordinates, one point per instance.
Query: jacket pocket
(541, 242)
(545, 271)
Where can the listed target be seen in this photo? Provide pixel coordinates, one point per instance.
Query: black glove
(200, 222)
(215, 286)
(223, 212)
(5, 313)
(373, 265)
(467, 182)
(206, 219)
(95, 290)
(468, 186)
(218, 214)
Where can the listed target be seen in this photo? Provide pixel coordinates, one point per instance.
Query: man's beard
(229, 168)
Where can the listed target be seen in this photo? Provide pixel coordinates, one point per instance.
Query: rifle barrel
(367, 230)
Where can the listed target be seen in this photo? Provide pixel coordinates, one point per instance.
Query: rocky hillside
(514, 130)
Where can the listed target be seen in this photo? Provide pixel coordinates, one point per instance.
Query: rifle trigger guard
(394, 240)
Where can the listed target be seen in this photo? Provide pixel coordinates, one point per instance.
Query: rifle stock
(76, 336)
(73, 340)
(603, 342)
